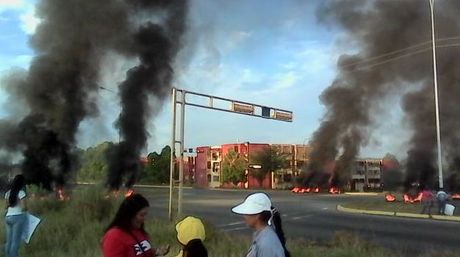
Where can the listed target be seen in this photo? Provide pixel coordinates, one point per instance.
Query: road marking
(325, 208)
(231, 224)
(301, 217)
(235, 229)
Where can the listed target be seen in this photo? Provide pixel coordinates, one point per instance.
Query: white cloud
(237, 37)
(285, 81)
(29, 21)
(26, 9)
(12, 4)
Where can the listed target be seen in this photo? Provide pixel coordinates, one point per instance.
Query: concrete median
(398, 214)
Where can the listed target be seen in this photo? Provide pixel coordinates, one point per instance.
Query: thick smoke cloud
(393, 54)
(59, 86)
(157, 45)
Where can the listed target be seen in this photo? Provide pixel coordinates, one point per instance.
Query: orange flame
(334, 190)
(129, 192)
(300, 190)
(390, 198)
(410, 199)
(456, 196)
(316, 190)
(60, 194)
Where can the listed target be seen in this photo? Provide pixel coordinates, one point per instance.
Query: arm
(22, 202)
(162, 251)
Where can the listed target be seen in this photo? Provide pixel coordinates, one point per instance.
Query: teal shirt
(266, 244)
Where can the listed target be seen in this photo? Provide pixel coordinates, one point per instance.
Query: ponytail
(273, 218)
(16, 186)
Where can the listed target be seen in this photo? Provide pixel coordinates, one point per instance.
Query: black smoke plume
(59, 87)
(156, 45)
(393, 55)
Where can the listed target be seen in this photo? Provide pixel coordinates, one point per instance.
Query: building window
(215, 167)
(235, 148)
(215, 178)
(209, 177)
(209, 165)
(287, 178)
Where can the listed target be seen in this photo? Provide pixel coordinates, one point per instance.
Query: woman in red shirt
(125, 236)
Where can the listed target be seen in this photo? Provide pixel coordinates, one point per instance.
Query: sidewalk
(398, 214)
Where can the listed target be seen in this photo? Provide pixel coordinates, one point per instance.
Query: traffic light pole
(173, 146)
(236, 106)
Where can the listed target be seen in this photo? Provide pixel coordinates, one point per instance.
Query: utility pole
(436, 102)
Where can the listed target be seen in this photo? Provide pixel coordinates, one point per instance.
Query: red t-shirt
(427, 195)
(118, 243)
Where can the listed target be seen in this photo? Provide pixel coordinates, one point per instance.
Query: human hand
(163, 250)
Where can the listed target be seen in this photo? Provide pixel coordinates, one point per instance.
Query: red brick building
(208, 164)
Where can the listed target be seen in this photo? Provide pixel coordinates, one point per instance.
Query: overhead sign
(245, 108)
(286, 116)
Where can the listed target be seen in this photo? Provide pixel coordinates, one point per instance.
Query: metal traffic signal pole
(173, 146)
(436, 102)
(236, 106)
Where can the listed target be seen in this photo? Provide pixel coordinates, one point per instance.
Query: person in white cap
(268, 238)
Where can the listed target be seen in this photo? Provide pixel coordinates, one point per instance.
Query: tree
(233, 167)
(270, 159)
(157, 169)
(392, 175)
(94, 166)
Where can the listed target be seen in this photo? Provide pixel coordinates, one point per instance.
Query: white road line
(301, 217)
(230, 224)
(235, 229)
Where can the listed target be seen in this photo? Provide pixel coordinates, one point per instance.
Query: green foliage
(157, 169)
(94, 165)
(270, 159)
(233, 167)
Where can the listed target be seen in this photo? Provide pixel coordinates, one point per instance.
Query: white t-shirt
(17, 209)
(266, 244)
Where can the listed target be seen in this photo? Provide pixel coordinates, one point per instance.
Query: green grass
(379, 204)
(74, 228)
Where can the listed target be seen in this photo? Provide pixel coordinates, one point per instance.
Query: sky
(268, 52)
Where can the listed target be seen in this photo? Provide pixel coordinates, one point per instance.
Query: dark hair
(18, 183)
(195, 248)
(277, 224)
(127, 211)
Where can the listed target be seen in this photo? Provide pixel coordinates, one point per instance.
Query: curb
(412, 215)
(399, 214)
(350, 210)
(449, 218)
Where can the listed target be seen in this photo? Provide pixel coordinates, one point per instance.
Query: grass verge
(75, 227)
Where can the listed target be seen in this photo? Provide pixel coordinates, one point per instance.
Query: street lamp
(435, 80)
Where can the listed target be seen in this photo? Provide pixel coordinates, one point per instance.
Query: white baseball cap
(253, 204)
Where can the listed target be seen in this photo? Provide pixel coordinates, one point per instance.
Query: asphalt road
(314, 217)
